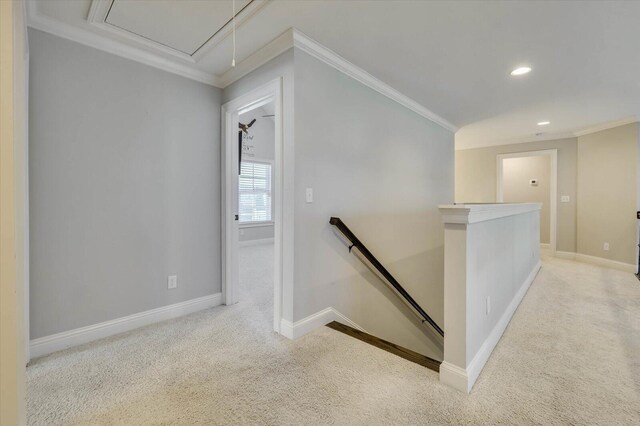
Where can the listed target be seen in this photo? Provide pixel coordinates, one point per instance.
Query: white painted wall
(491, 251)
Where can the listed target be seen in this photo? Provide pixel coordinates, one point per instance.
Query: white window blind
(254, 192)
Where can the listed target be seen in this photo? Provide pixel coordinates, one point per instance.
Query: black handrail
(355, 242)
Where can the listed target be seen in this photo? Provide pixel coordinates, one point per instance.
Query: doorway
(252, 173)
(532, 177)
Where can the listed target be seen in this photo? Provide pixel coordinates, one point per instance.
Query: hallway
(570, 355)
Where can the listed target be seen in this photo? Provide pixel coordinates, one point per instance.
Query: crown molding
(88, 38)
(97, 19)
(290, 38)
(260, 57)
(296, 38)
(100, 8)
(606, 126)
(326, 55)
(524, 139)
(555, 136)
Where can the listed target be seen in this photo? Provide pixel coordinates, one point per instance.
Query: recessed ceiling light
(521, 71)
(543, 123)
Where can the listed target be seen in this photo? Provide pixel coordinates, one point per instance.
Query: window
(254, 192)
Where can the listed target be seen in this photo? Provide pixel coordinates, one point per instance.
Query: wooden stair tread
(405, 353)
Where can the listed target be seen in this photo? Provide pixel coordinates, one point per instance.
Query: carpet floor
(571, 355)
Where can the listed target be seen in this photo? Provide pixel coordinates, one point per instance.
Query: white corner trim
(56, 342)
(606, 126)
(310, 323)
(256, 242)
(464, 379)
(328, 56)
(92, 39)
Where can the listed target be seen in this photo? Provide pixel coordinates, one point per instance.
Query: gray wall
(124, 186)
(383, 169)
(476, 180)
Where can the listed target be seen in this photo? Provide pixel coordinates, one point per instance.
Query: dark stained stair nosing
(405, 353)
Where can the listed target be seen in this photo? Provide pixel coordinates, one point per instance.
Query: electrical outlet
(606, 247)
(172, 281)
(488, 305)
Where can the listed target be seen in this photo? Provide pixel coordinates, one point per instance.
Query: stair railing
(355, 242)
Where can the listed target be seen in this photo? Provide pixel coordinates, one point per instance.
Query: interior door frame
(553, 187)
(230, 112)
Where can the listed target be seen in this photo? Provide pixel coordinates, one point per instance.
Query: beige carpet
(571, 355)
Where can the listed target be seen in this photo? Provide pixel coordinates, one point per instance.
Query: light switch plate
(309, 195)
(565, 199)
(172, 281)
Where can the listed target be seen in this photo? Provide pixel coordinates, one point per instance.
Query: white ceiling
(453, 58)
(155, 20)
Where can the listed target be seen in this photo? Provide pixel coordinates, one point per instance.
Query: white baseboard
(346, 321)
(454, 376)
(310, 323)
(594, 260)
(255, 242)
(545, 246)
(56, 342)
(464, 379)
(569, 255)
(607, 263)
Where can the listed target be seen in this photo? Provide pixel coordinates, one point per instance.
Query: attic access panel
(181, 26)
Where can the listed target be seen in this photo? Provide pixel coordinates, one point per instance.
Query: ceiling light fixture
(543, 123)
(521, 71)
